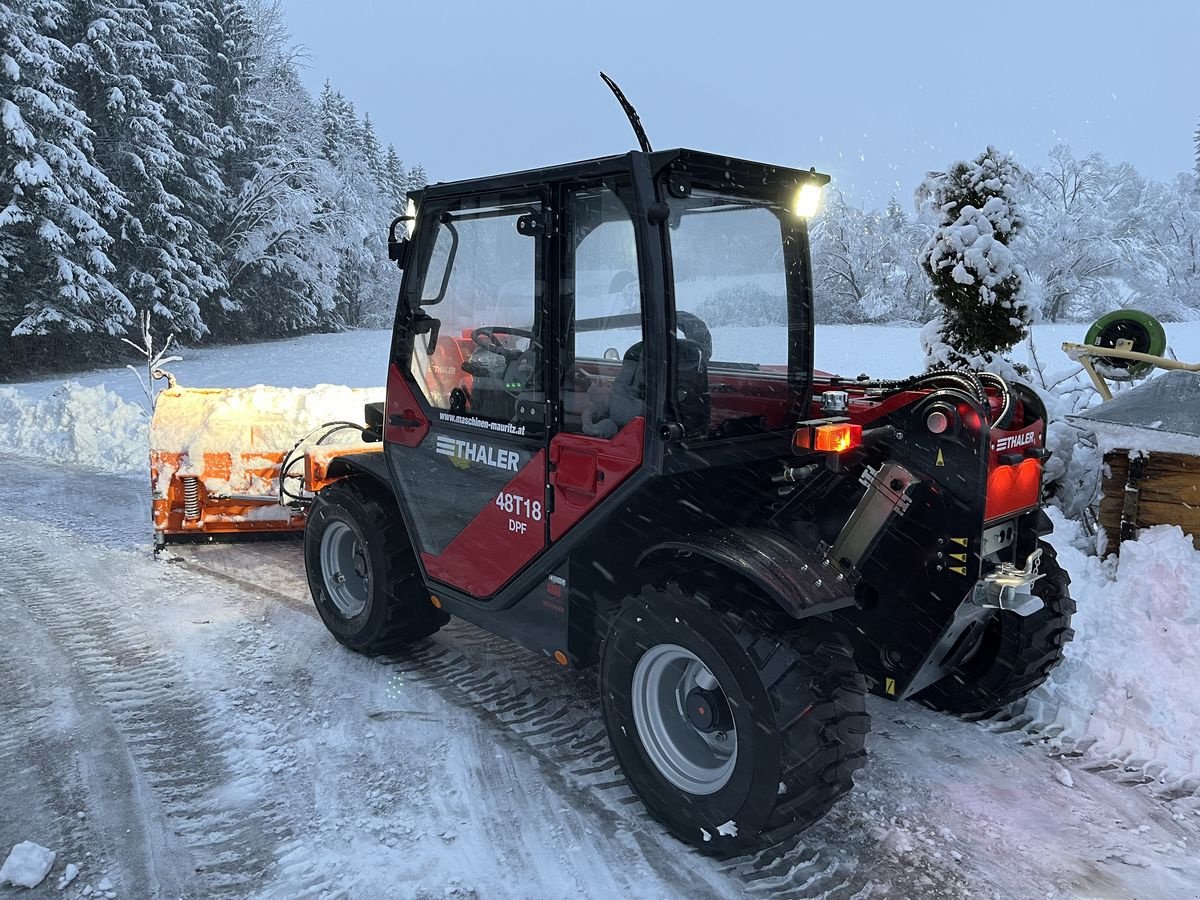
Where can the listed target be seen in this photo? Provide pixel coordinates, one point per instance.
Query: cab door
(465, 435)
(599, 432)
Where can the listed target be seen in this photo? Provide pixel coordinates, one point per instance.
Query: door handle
(396, 420)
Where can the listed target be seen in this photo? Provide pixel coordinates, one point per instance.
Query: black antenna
(634, 120)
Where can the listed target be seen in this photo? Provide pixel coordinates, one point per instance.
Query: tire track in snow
(554, 714)
(175, 740)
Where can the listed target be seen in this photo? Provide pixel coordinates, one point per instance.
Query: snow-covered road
(190, 729)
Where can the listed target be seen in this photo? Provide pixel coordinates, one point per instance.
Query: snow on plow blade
(216, 456)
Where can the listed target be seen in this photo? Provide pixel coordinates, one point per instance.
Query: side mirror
(396, 249)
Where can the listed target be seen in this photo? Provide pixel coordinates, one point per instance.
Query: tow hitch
(1008, 588)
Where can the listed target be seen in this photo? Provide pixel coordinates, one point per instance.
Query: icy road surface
(189, 729)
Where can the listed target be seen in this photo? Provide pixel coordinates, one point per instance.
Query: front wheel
(362, 572)
(735, 733)
(1016, 653)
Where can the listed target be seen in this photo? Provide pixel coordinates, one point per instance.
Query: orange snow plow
(233, 462)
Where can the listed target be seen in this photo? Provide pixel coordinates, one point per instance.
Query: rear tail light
(1011, 489)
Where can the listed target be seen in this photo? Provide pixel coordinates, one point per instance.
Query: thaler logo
(478, 453)
(1014, 441)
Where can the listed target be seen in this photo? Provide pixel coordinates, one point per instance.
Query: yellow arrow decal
(889, 686)
(960, 541)
(961, 570)
(961, 557)
(940, 460)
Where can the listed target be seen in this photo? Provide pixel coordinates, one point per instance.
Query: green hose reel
(1141, 329)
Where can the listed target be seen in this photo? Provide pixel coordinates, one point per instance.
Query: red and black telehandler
(604, 439)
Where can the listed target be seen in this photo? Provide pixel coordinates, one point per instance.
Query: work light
(808, 198)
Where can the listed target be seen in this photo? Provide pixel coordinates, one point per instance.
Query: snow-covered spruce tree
(124, 80)
(417, 178)
(182, 89)
(55, 203)
(974, 276)
(395, 182)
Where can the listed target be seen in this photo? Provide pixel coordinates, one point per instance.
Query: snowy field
(191, 730)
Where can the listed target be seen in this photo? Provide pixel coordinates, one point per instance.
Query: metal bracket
(887, 495)
(1129, 506)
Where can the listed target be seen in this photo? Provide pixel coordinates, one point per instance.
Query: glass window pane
(482, 287)
(603, 383)
(730, 272)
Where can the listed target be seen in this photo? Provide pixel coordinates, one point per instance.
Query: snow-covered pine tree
(417, 178)
(122, 78)
(280, 259)
(182, 88)
(968, 261)
(395, 182)
(372, 152)
(230, 43)
(54, 202)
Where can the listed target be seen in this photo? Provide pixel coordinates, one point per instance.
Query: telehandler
(604, 439)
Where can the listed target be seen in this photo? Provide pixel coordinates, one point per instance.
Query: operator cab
(543, 295)
(565, 331)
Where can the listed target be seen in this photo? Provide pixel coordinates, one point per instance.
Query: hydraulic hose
(974, 384)
(1007, 402)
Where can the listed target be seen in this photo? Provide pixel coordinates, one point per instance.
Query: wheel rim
(344, 569)
(699, 762)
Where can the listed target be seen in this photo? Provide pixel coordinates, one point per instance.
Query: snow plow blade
(239, 462)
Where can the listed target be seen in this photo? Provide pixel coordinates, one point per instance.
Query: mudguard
(801, 582)
(370, 463)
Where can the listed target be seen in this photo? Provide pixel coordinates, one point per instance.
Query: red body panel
(402, 403)
(586, 469)
(488, 552)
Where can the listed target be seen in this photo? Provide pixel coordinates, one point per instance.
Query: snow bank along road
(191, 730)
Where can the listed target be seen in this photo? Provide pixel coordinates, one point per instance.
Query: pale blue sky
(873, 93)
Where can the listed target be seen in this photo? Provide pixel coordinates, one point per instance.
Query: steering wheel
(486, 338)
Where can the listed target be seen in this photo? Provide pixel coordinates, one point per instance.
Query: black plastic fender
(371, 464)
(800, 582)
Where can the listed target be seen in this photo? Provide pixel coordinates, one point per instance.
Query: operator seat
(604, 417)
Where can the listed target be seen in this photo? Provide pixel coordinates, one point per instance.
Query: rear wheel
(362, 572)
(735, 733)
(1016, 653)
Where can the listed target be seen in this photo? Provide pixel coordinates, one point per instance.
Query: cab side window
(603, 380)
(483, 287)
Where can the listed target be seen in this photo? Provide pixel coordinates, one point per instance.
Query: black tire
(796, 700)
(1016, 654)
(396, 607)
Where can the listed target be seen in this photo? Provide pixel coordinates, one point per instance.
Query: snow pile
(255, 426)
(27, 865)
(75, 425)
(1126, 689)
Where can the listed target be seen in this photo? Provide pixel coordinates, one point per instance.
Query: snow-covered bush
(970, 265)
